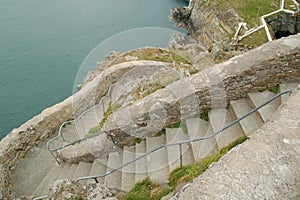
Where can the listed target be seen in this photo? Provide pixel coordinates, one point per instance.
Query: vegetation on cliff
(147, 189)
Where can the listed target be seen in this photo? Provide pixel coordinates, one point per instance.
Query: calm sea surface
(43, 43)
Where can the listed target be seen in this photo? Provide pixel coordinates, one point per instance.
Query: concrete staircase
(38, 169)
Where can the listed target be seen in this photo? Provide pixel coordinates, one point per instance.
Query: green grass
(250, 11)
(98, 128)
(160, 133)
(193, 71)
(107, 113)
(274, 89)
(179, 125)
(146, 190)
(204, 116)
(155, 54)
(78, 197)
(189, 172)
(94, 130)
(138, 140)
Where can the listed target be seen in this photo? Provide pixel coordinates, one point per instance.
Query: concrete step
(89, 123)
(198, 128)
(241, 107)
(90, 114)
(52, 175)
(113, 180)
(65, 170)
(83, 169)
(70, 133)
(158, 166)
(29, 173)
(43, 145)
(128, 172)
(286, 86)
(176, 135)
(71, 171)
(37, 152)
(257, 98)
(218, 119)
(141, 167)
(98, 168)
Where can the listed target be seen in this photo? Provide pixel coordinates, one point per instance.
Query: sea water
(43, 43)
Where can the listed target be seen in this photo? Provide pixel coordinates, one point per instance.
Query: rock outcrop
(261, 68)
(210, 23)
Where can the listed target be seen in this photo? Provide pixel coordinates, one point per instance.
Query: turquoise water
(43, 42)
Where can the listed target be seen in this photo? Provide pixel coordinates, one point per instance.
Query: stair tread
(64, 171)
(98, 168)
(251, 123)
(37, 152)
(70, 132)
(257, 98)
(29, 173)
(198, 128)
(114, 161)
(141, 168)
(89, 123)
(286, 86)
(83, 169)
(219, 118)
(176, 135)
(158, 166)
(128, 172)
(52, 175)
(71, 171)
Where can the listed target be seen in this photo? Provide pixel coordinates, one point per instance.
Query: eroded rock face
(99, 191)
(98, 87)
(209, 23)
(88, 150)
(284, 24)
(212, 87)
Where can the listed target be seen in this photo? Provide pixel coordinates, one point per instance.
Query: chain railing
(180, 143)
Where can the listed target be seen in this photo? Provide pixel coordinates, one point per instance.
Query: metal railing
(180, 143)
(60, 133)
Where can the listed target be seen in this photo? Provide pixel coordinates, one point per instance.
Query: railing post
(62, 137)
(54, 157)
(180, 151)
(111, 137)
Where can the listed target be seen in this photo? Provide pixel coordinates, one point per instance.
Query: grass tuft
(189, 172)
(274, 89)
(146, 190)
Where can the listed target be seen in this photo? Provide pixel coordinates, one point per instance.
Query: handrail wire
(60, 134)
(95, 177)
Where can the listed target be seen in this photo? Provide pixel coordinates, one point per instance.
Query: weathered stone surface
(264, 167)
(98, 87)
(209, 22)
(261, 68)
(66, 189)
(99, 191)
(88, 150)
